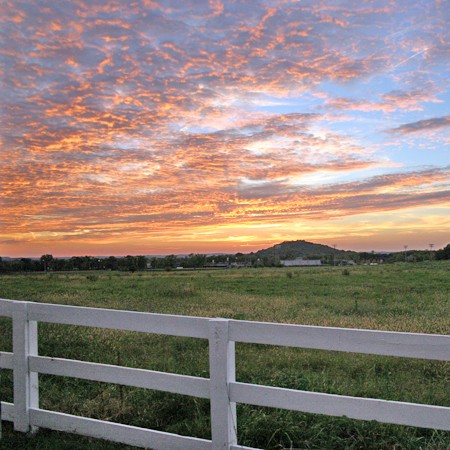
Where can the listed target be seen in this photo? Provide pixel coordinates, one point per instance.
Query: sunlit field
(403, 297)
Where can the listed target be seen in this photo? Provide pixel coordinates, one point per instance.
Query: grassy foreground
(406, 297)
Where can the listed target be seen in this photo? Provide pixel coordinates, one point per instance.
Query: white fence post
(26, 387)
(222, 371)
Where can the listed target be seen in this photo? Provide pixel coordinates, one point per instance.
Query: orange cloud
(125, 121)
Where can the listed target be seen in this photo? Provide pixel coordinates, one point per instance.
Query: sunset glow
(165, 127)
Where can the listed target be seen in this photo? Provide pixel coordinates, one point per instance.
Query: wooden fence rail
(221, 388)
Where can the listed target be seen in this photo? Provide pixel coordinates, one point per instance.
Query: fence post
(222, 370)
(26, 387)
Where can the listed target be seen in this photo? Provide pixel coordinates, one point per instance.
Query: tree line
(195, 260)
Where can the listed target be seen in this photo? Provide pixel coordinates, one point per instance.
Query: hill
(294, 249)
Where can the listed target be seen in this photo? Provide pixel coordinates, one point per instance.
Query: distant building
(298, 262)
(218, 265)
(240, 265)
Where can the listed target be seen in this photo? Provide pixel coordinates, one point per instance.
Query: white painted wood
(120, 320)
(411, 345)
(125, 434)
(20, 367)
(242, 447)
(26, 388)
(6, 307)
(148, 379)
(6, 360)
(7, 411)
(33, 376)
(401, 413)
(222, 372)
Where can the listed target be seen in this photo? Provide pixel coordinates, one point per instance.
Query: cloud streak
(436, 123)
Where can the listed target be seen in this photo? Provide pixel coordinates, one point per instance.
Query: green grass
(405, 297)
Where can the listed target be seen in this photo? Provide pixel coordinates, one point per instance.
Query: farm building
(301, 262)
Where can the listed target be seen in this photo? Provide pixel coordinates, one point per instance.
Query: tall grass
(400, 298)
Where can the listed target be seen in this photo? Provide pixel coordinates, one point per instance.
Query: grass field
(405, 297)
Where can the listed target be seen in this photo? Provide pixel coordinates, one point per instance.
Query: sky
(159, 127)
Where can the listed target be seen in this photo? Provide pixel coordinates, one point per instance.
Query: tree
(170, 262)
(128, 263)
(46, 260)
(443, 253)
(111, 263)
(194, 260)
(141, 262)
(27, 264)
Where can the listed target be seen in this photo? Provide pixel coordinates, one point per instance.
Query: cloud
(403, 100)
(121, 118)
(436, 123)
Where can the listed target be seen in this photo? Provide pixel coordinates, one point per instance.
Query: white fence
(221, 388)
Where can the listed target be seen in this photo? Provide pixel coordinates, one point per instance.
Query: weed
(92, 277)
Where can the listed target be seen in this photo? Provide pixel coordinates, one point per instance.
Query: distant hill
(294, 249)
